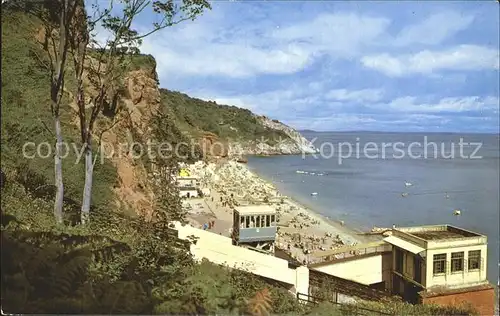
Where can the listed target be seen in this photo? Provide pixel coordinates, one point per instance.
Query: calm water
(366, 191)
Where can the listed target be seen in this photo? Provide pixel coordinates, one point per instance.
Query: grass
(169, 285)
(26, 113)
(197, 117)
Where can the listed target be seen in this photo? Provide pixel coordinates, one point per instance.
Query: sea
(369, 179)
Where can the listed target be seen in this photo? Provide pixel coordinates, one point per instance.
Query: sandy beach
(301, 231)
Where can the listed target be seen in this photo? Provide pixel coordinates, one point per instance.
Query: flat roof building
(254, 209)
(439, 264)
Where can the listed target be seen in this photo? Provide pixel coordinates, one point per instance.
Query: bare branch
(40, 60)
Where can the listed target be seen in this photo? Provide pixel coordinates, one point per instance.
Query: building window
(457, 261)
(268, 220)
(474, 259)
(257, 221)
(439, 263)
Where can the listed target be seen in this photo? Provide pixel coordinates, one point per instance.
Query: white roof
(398, 242)
(255, 209)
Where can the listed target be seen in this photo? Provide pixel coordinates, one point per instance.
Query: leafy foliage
(260, 303)
(197, 116)
(115, 264)
(25, 118)
(403, 308)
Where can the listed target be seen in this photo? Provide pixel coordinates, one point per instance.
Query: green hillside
(116, 264)
(26, 114)
(228, 122)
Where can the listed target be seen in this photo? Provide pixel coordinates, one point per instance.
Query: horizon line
(398, 132)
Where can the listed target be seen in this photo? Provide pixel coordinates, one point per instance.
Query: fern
(260, 304)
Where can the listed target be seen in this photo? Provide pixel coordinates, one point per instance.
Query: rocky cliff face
(129, 125)
(139, 99)
(293, 144)
(296, 144)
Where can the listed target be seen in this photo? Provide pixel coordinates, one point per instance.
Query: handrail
(349, 248)
(349, 253)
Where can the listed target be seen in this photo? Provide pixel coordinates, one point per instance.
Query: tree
(56, 17)
(105, 63)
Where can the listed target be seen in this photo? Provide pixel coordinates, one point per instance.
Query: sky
(339, 66)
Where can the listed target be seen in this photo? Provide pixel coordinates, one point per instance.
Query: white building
(188, 192)
(440, 264)
(187, 181)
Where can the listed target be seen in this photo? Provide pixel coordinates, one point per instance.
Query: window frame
(459, 259)
(476, 257)
(439, 261)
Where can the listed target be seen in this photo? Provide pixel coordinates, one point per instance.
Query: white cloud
(463, 57)
(213, 47)
(451, 104)
(434, 29)
(339, 34)
(311, 98)
(333, 122)
(370, 95)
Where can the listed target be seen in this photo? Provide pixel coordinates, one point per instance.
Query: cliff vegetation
(126, 260)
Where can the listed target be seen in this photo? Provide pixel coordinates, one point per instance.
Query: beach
(301, 231)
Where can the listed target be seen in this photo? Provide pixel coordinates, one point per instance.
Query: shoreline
(301, 231)
(353, 234)
(330, 220)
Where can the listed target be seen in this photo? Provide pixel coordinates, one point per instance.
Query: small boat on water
(299, 171)
(408, 184)
(457, 212)
(314, 193)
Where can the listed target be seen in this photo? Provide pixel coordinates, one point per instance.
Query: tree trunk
(58, 203)
(87, 189)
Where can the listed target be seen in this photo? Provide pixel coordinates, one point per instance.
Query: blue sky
(385, 66)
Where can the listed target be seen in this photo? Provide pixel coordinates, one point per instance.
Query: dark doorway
(399, 260)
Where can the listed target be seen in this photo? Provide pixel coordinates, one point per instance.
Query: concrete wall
(366, 270)
(456, 279)
(219, 249)
(456, 243)
(483, 300)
